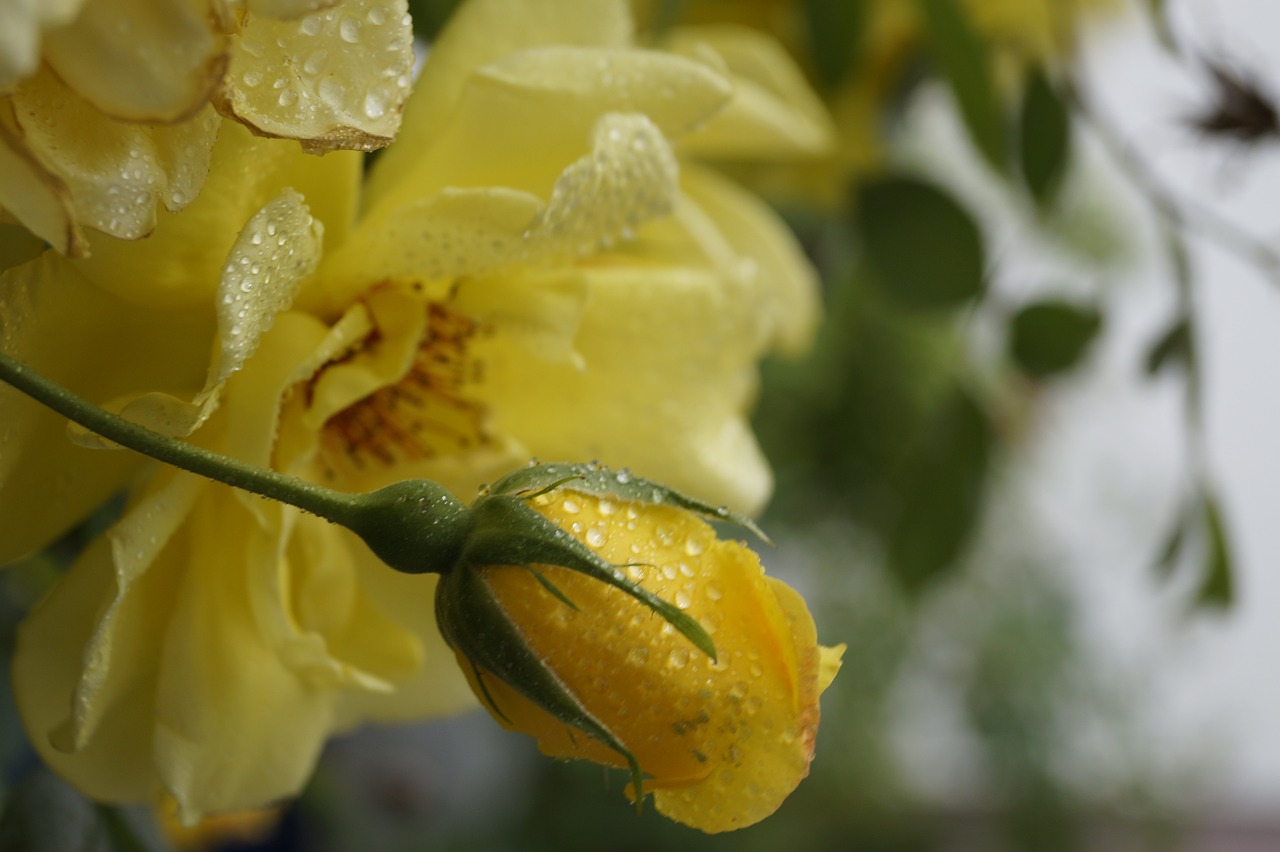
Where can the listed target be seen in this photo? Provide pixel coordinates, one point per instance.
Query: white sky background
(1106, 465)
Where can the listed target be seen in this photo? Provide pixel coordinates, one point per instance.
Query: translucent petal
(181, 263)
(773, 113)
(60, 324)
(117, 171)
(667, 351)
(552, 100)
(336, 78)
(22, 27)
(756, 234)
(141, 60)
(234, 725)
(47, 664)
(628, 177)
(478, 33)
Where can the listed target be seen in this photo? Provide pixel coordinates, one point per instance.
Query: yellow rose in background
(723, 734)
(535, 267)
(107, 107)
(890, 39)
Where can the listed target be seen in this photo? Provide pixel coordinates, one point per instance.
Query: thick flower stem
(336, 506)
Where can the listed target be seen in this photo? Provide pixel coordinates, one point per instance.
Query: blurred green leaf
(965, 61)
(942, 493)
(1050, 337)
(925, 249)
(1044, 136)
(1173, 543)
(1160, 23)
(46, 814)
(835, 31)
(1172, 348)
(429, 16)
(1217, 589)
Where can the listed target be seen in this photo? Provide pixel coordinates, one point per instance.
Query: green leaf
(942, 493)
(1217, 588)
(46, 814)
(1156, 9)
(1173, 347)
(965, 61)
(1044, 135)
(924, 249)
(1050, 337)
(835, 30)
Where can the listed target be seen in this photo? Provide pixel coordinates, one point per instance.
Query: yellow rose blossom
(723, 738)
(532, 271)
(107, 107)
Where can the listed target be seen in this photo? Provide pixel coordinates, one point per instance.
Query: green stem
(335, 506)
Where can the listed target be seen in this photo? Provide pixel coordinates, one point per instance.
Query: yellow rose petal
(34, 195)
(478, 33)
(141, 60)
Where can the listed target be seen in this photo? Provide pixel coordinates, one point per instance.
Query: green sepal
(508, 531)
(415, 526)
(474, 623)
(600, 481)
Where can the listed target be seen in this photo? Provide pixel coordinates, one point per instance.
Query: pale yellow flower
(534, 271)
(107, 107)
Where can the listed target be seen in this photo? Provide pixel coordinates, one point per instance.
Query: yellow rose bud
(722, 737)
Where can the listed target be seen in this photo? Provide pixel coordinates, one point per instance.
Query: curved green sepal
(540, 477)
(475, 624)
(508, 531)
(415, 526)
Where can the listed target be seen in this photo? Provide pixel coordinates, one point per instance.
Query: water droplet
(314, 63)
(606, 507)
(694, 546)
(596, 537)
(374, 105)
(738, 691)
(678, 658)
(638, 656)
(623, 476)
(669, 571)
(571, 506)
(377, 16)
(685, 569)
(332, 92)
(755, 670)
(251, 78)
(682, 599)
(349, 30)
(287, 98)
(310, 25)
(713, 592)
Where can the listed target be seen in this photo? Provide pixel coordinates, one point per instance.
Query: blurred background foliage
(888, 441)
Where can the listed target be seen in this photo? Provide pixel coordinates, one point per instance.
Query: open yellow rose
(531, 269)
(107, 107)
(571, 654)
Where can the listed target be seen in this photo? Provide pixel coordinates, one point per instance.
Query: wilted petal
(336, 78)
(141, 60)
(32, 194)
(117, 171)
